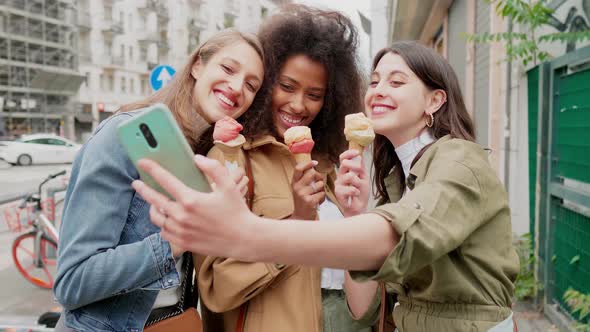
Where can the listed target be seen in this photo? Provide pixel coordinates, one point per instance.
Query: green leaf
(575, 259)
(553, 258)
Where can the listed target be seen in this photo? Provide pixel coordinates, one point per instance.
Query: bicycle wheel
(23, 254)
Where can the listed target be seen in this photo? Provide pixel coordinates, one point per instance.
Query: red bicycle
(35, 252)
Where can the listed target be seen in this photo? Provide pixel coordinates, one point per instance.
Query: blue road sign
(160, 76)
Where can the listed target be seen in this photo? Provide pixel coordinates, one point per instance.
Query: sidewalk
(529, 319)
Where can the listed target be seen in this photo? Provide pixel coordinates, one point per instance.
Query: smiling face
(228, 82)
(398, 101)
(298, 95)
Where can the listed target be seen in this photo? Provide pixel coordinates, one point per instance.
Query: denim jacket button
(417, 206)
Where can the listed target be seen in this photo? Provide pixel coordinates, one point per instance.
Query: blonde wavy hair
(178, 95)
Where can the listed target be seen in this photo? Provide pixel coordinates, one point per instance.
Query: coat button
(417, 206)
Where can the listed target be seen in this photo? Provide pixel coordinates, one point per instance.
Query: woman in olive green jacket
(440, 237)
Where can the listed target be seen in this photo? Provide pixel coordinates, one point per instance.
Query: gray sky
(350, 8)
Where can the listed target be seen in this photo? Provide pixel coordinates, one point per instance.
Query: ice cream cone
(302, 157)
(356, 146)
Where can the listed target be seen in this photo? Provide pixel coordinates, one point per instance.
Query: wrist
(311, 215)
(354, 212)
(249, 233)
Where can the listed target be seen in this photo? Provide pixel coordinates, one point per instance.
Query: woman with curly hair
(313, 79)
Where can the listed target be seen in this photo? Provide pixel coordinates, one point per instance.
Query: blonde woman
(113, 265)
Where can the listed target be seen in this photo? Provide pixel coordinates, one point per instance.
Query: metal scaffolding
(38, 65)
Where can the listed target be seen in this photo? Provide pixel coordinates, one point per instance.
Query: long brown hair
(329, 38)
(451, 119)
(178, 95)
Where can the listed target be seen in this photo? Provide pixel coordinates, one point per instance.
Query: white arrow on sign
(164, 77)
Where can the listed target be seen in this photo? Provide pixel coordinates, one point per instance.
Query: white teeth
(380, 109)
(291, 120)
(224, 99)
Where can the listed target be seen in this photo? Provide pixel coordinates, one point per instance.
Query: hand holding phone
(154, 134)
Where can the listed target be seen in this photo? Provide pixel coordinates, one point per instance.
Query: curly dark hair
(329, 38)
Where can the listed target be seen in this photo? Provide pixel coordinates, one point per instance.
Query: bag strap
(248, 168)
(382, 308)
(187, 299)
(250, 200)
(241, 318)
(187, 295)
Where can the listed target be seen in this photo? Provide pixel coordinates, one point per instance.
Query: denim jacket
(112, 260)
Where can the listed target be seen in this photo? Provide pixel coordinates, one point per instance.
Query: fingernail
(314, 163)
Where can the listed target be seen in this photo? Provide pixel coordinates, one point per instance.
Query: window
(87, 79)
(123, 84)
(130, 53)
(122, 50)
(111, 81)
(263, 12)
(108, 46)
(108, 13)
(132, 85)
(39, 141)
(143, 54)
(229, 20)
(102, 82)
(129, 22)
(143, 87)
(54, 141)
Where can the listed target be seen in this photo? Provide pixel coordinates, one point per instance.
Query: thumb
(215, 172)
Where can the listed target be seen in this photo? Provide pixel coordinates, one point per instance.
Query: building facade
(495, 94)
(121, 41)
(38, 66)
(65, 65)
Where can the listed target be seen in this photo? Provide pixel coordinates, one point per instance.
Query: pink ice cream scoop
(303, 146)
(226, 129)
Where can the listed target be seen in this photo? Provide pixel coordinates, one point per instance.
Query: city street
(21, 302)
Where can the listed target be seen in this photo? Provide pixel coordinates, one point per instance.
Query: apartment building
(121, 41)
(38, 66)
(65, 65)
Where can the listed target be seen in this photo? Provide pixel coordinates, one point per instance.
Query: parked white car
(39, 149)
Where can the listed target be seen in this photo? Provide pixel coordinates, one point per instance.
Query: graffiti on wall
(574, 21)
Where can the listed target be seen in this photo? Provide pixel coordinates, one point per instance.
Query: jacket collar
(324, 165)
(417, 172)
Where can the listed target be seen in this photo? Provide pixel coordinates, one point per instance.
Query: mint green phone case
(172, 151)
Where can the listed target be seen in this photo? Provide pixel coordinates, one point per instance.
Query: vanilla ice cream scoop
(358, 130)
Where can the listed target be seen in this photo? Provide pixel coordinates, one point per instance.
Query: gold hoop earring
(431, 123)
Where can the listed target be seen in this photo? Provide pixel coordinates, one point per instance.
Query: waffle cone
(355, 146)
(302, 157)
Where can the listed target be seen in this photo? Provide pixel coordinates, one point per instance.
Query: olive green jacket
(454, 263)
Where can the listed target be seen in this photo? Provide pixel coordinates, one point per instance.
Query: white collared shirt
(331, 278)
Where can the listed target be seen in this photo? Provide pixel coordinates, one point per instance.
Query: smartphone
(154, 134)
